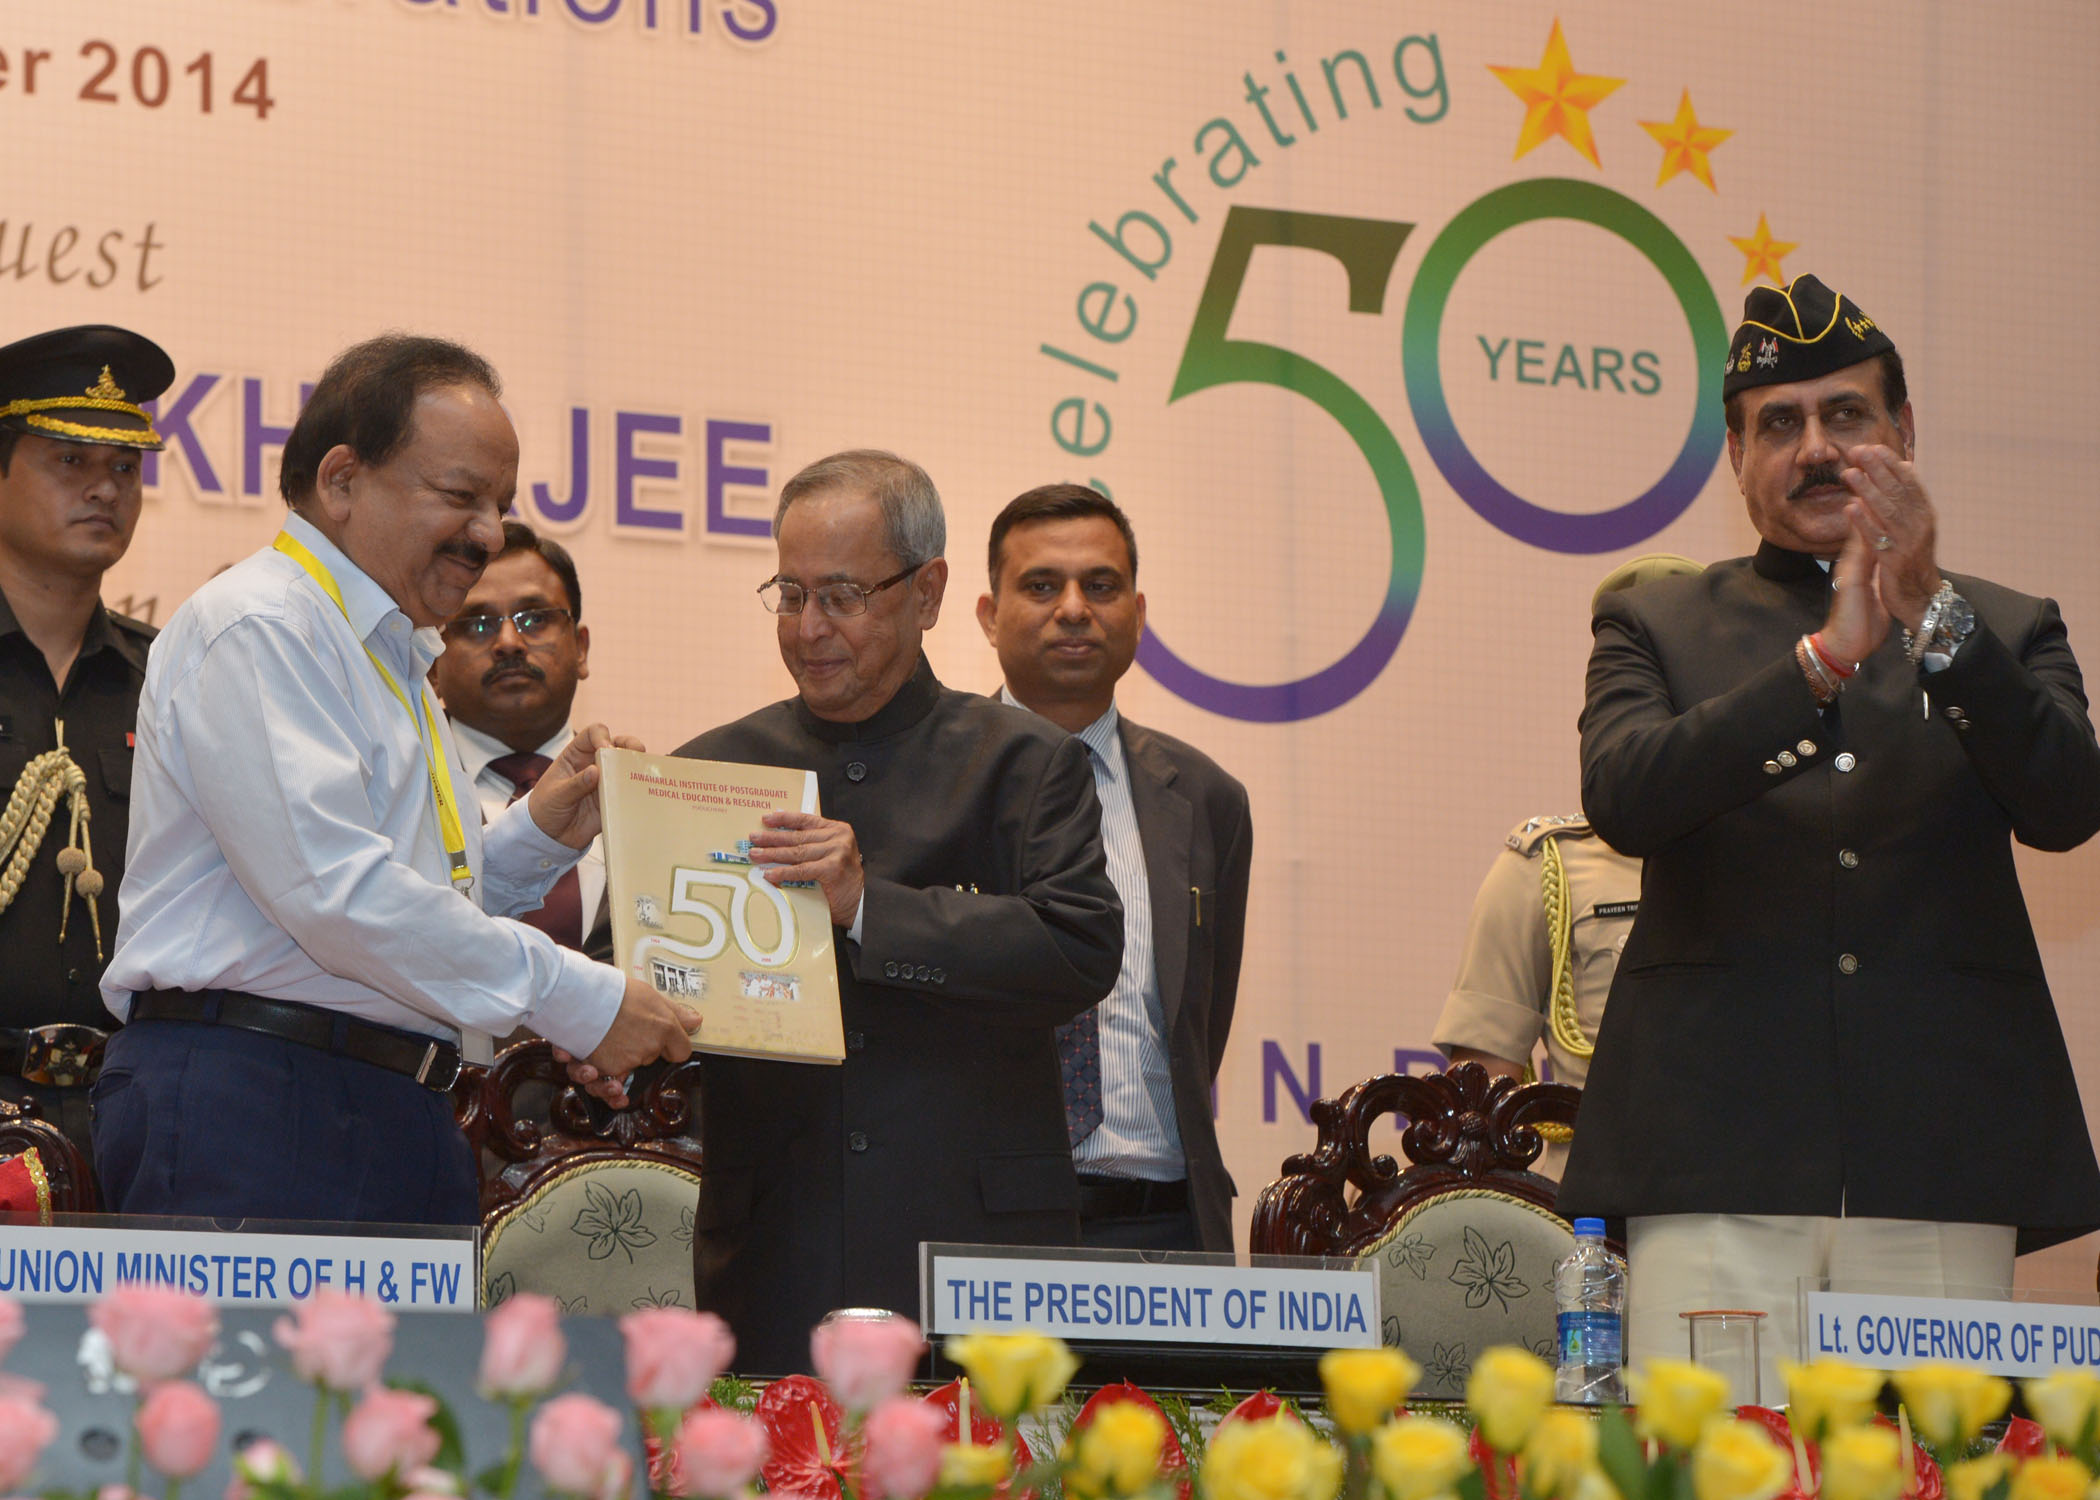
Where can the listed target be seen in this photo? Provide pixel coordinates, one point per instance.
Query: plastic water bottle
(1589, 1287)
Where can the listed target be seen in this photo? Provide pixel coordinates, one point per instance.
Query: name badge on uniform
(1615, 908)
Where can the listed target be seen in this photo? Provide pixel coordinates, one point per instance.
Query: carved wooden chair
(600, 1218)
(1464, 1237)
(68, 1185)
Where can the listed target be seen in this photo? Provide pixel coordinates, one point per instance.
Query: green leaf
(1619, 1454)
(1472, 1486)
(734, 1393)
(1674, 1471)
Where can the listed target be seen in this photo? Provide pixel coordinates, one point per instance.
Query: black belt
(430, 1062)
(1129, 1197)
(60, 1056)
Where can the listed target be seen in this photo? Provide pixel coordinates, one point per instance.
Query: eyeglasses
(835, 599)
(479, 630)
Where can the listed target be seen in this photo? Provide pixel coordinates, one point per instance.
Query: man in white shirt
(304, 953)
(1065, 615)
(513, 656)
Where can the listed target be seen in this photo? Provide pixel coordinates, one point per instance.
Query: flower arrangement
(857, 1432)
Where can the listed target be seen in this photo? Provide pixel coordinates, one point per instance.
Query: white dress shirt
(1137, 1136)
(494, 792)
(283, 837)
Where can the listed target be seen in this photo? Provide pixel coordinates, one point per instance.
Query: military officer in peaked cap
(1830, 1049)
(72, 426)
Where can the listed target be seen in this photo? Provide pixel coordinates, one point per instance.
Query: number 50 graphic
(1368, 250)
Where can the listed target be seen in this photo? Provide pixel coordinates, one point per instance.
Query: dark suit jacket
(1199, 842)
(989, 918)
(1832, 992)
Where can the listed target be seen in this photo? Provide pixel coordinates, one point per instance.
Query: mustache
(1819, 477)
(510, 666)
(470, 552)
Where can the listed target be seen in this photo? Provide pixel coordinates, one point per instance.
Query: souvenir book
(695, 918)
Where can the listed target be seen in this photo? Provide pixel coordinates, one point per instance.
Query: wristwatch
(1948, 622)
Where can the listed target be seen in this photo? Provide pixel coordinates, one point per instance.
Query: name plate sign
(971, 1290)
(1890, 1332)
(68, 1263)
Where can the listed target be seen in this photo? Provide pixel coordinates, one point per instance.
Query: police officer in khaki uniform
(72, 427)
(1545, 935)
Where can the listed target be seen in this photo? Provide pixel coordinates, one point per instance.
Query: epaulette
(1526, 837)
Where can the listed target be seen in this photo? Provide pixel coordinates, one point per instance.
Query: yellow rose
(1417, 1458)
(1508, 1391)
(1562, 1450)
(2050, 1479)
(1364, 1385)
(1277, 1458)
(1829, 1396)
(2065, 1403)
(1948, 1404)
(1014, 1372)
(1969, 1479)
(1118, 1453)
(1738, 1461)
(966, 1466)
(1862, 1463)
(1674, 1399)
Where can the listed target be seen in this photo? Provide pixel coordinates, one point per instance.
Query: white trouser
(1678, 1263)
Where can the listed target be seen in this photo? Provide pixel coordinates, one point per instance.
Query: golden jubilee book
(694, 917)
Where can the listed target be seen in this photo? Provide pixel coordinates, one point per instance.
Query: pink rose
(673, 1356)
(21, 1388)
(26, 1429)
(10, 1325)
(904, 1439)
(178, 1428)
(261, 1462)
(339, 1341)
(155, 1332)
(618, 1480)
(575, 1445)
(522, 1349)
(117, 1492)
(389, 1432)
(866, 1360)
(719, 1452)
(430, 1481)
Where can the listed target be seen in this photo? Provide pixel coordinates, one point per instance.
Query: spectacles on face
(533, 624)
(835, 599)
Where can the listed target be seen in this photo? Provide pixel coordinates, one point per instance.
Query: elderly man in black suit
(1065, 615)
(1830, 1048)
(960, 851)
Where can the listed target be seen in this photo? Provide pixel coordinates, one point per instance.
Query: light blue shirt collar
(368, 606)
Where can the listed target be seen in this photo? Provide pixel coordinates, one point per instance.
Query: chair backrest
(599, 1217)
(1464, 1238)
(66, 1170)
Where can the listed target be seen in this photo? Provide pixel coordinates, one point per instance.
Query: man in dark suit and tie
(1830, 1049)
(513, 656)
(1065, 615)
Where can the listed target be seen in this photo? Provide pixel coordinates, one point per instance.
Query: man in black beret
(71, 429)
(1830, 1048)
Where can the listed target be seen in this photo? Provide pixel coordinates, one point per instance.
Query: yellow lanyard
(419, 712)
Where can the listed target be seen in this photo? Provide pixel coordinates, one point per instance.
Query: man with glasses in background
(960, 851)
(513, 656)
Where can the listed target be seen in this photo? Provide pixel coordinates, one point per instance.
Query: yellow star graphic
(1761, 253)
(1685, 143)
(1557, 99)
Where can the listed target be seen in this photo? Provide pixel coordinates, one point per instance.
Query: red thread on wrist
(1816, 644)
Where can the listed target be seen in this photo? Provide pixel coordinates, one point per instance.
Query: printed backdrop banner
(1393, 327)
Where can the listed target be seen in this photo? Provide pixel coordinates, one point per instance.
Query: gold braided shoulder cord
(1567, 1030)
(28, 817)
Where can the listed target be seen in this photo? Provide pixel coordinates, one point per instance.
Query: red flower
(1173, 1462)
(2023, 1439)
(802, 1422)
(1256, 1408)
(985, 1430)
(1498, 1471)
